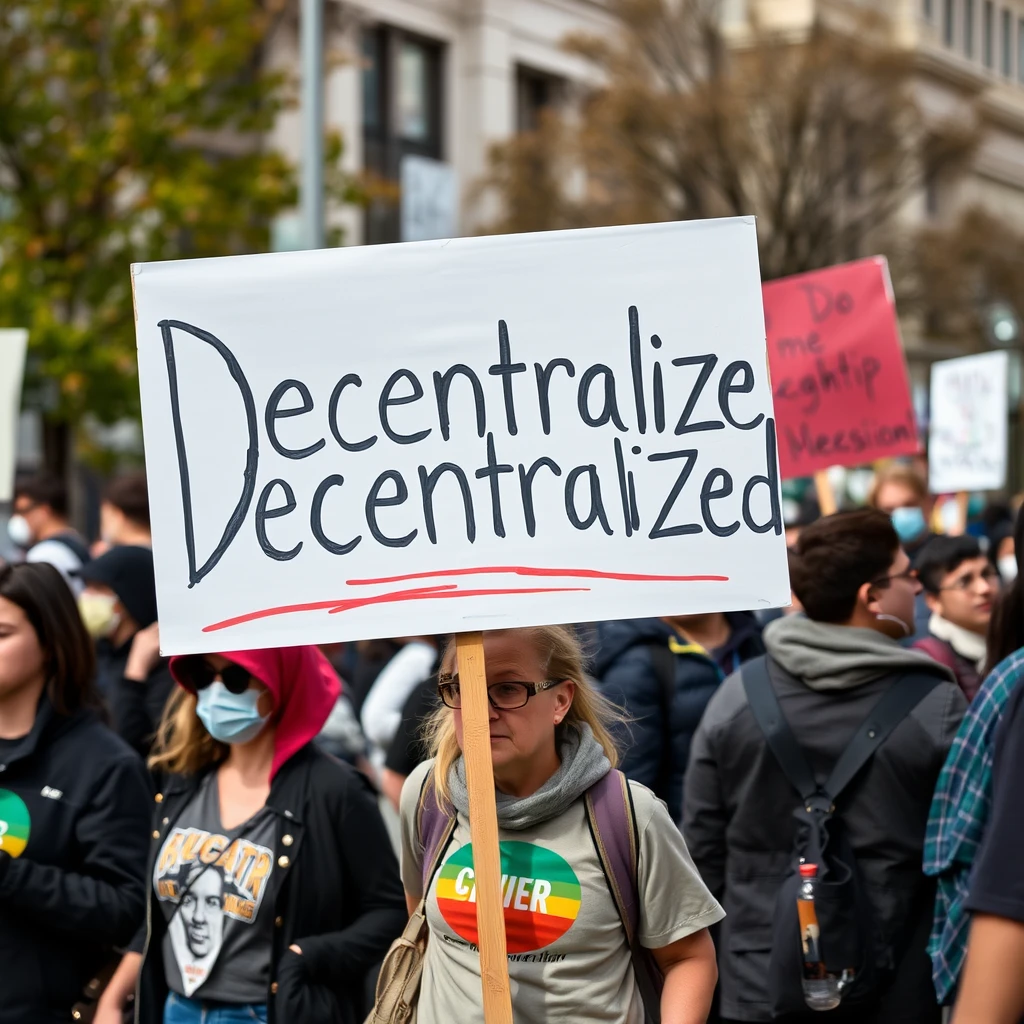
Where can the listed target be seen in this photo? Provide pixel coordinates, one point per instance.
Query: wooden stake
(826, 495)
(960, 527)
(483, 828)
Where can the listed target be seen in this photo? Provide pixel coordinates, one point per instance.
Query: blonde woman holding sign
(605, 915)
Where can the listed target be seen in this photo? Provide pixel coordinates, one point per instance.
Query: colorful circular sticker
(540, 892)
(15, 823)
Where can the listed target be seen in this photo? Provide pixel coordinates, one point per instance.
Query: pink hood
(302, 683)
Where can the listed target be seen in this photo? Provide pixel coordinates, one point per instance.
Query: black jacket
(135, 708)
(626, 671)
(77, 889)
(336, 892)
(739, 827)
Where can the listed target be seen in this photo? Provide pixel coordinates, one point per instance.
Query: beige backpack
(398, 984)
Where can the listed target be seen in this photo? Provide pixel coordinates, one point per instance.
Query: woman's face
(22, 661)
(521, 734)
(265, 703)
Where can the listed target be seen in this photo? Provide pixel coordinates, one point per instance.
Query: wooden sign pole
(826, 495)
(962, 499)
(483, 828)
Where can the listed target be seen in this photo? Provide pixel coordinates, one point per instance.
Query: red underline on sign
(439, 592)
(525, 570)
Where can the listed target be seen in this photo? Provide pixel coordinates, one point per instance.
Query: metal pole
(312, 185)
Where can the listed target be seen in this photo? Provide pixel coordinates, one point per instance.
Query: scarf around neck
(583, 763)
(967, 644)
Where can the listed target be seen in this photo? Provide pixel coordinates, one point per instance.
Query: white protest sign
(430, 199)
(12, 369)
(968, 423)
(438, 437)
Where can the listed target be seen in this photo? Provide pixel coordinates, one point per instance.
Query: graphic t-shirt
(212, 886)
(567, 953)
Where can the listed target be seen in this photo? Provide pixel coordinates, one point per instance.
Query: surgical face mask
(909, 524)
(99, 614)
(230, 717)
(1007, 566)
(19, 531)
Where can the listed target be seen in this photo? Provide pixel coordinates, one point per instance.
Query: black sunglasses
(198, 673)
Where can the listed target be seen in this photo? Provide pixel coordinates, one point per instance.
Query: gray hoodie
(826, 657)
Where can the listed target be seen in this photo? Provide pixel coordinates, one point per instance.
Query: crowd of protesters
(242, 835)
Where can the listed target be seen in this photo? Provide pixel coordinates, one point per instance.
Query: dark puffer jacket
(628, 675)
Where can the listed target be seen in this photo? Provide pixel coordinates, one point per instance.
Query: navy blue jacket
(625, 670)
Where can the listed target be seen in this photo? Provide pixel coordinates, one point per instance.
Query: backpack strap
(664, 662)
(897, 702)
(768, 714)
(612, 821)
(74, 544)
(435, 823)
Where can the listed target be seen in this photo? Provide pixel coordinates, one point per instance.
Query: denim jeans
(179, 1010)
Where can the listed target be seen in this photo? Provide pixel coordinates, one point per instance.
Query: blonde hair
(897, 473)
(182, 745)
(562, 656)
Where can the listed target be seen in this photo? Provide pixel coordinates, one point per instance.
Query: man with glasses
(960, 586)
(826, 672)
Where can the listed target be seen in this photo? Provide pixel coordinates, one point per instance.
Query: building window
(948, 15)
(1020, 50)
(968, 28)
(402, 105)
(535, 93)
(988, 30)
(1006, 42)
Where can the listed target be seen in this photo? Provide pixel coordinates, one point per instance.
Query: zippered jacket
(75, 803)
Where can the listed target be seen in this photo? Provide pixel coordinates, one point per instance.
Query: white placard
(430, 199)
(968, 424)
(12, 370)
(482, 433)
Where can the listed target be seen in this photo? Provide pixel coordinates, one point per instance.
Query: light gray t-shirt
(567, 953)
(212, 885)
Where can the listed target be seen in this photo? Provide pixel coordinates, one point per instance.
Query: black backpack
(844, 912)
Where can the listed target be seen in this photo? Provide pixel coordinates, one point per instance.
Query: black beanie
(128, 571)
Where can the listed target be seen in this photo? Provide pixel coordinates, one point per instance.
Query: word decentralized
(591, 496)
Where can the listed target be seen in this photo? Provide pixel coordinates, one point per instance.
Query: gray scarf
(583, 763)
(828, 657)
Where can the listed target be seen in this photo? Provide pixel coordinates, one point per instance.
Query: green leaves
(130, 130)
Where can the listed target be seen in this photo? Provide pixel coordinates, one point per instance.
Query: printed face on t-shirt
(202, 913)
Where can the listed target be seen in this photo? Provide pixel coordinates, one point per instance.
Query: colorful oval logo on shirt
(15, 823)
(540, 892)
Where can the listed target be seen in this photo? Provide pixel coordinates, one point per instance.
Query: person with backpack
(826, 752)
(75, 803)
(40, 527)
(603, 906)
(663, 672)
(273, 887)
(960, 587)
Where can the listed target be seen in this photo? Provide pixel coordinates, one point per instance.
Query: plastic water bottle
(822, 991)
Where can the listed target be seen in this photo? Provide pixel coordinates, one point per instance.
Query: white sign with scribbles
(443, 436)
(967, 441)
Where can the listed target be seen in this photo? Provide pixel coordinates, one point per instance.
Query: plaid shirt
(959, 814)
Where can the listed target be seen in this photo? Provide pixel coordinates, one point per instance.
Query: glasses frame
(910, 575)
(199, 678)
(532, 689)
(965, 583)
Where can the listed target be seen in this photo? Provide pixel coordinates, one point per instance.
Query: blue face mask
(908, 523)
(230, 717)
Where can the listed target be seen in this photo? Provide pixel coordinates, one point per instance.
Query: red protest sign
(839, 379)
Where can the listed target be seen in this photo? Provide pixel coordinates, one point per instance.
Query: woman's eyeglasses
(198, 673)
(989, 576)
(502, 696)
